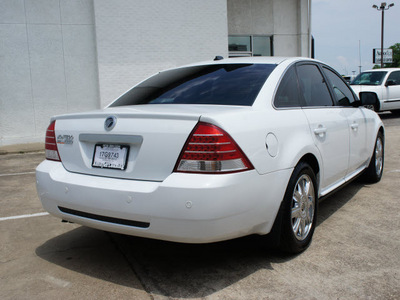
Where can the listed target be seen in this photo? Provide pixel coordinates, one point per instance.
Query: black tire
(298, 213)
(374, 171)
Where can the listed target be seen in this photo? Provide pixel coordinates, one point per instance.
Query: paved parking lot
(355, 252)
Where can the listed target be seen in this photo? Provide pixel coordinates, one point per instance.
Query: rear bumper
(183, 208)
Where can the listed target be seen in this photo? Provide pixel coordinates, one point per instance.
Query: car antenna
(218, 57)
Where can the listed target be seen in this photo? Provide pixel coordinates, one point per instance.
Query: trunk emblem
(65, 139)
(110, 123)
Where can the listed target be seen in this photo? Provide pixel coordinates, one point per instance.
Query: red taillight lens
(51, 143)
(210, 149)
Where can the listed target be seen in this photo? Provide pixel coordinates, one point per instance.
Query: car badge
(110, 122)
(65, 139)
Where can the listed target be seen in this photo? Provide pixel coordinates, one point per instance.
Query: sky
(344, 29)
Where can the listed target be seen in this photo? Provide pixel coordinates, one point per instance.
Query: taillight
(209, 149)
(51, 143)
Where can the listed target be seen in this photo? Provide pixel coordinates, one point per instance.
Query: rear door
(356, 120)
(328, 125)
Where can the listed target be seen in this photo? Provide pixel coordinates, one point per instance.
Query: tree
(396, 58)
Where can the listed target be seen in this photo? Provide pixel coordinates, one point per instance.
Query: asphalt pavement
(355, 253)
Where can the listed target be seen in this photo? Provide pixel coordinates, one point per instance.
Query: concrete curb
(22, 148)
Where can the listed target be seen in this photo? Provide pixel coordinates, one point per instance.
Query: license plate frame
(110, 156)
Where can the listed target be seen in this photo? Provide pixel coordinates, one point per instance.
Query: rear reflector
(51, 143)
(210, 149)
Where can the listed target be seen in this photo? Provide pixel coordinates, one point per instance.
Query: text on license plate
(110, 156)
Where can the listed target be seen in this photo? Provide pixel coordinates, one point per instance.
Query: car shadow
(172, 269)
(90, 252)
(334, 202)
(197, 271)
(163, 268)
(388, 115)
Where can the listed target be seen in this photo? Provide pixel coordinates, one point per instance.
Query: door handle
(354, 126)
(320, 131)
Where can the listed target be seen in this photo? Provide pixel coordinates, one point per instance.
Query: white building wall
(137, 38)
(304, 27)
(47, 65)
(285, 28)
(250, 17)
(60, 56)
(287, 21)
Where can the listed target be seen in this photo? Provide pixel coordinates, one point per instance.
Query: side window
(343, 94)
(313, 86)
(395, 77)
(288, 91)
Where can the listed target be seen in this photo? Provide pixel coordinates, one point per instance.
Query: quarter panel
(250, 129)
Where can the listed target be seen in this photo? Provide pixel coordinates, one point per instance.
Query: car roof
(383, 69)
(276, 60)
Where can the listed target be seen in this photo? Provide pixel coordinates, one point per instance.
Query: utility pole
(359, 56)
(382, 8)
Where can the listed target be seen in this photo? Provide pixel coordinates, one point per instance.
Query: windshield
(221, 84)
(369, 78)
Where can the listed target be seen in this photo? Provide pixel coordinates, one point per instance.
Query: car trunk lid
(146, 141)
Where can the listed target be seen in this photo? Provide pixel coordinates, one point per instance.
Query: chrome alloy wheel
(378, 156)
(303, 207)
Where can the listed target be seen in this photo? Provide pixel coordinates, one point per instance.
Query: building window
(250, 45)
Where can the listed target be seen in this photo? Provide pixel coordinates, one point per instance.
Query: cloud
(342, 60)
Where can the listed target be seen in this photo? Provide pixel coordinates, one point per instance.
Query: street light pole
(382, 8)
(382, 31)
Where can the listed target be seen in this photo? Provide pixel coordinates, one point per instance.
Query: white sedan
(213, 151)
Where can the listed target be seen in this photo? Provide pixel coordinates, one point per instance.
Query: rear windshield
(233, 84)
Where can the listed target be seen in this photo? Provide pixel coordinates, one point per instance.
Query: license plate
(110, 156)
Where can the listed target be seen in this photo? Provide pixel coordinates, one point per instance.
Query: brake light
(51, 143)
(209, 149)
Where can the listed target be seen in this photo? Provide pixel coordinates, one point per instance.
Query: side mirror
(390, 82)
(368, 98)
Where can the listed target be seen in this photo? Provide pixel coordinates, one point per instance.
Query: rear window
(226, 84)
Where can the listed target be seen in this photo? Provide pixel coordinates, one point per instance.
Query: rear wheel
(375, 169)
(299, 210)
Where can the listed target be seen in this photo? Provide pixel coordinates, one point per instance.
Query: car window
(342, 92)
(313, 86)
(287, 94)
(395, 77)
(221, 84)
(369, 78)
